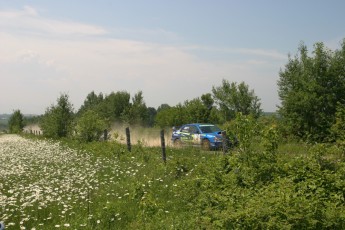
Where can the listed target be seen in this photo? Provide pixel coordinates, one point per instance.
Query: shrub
(90, 127)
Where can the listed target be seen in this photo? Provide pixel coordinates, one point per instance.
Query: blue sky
(171, 50)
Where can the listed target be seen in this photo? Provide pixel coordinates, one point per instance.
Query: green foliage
(151, 113)
(196, 111)
(236, 98)
(270, 139)
(90, 127)
(165, 118)
(113, 105)
(118, 107)
(191, 111)
(310, 88)
(246, 129)
(91, 102)
(338, 128)
(136, 113)
(271, 186)
(57, 121)
(16, 122)
(173, 116)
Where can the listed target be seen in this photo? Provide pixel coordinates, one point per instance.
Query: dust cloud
(32, 128)
(149, 137)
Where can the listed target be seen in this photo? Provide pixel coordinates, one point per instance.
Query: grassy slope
(299, 188)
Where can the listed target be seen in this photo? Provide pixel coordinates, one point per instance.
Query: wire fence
(150, 137)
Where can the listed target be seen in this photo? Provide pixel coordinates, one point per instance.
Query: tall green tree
(196, 111)
(310, 88)
(58, 119)
(136, 113)
(114, 105)
(163, 107)
(233, 98)
(16, 122)
(172, 116)
(92, 100)
(152, 112)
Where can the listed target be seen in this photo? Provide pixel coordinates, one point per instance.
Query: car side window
(193, 129)
(185, 129)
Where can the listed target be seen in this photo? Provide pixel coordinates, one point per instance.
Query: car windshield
(209, 128)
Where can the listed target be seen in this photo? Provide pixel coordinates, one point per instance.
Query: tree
(338, 128)
(114, 105)
(172, 116)
(90, 127)
(196, 111)
(91, 101)
(165, 118)
(192, 111)
(137, 112)
(152, 112)
(57, 120)
(233, 98)
(15, 122)
(162, 107)
(309, 90)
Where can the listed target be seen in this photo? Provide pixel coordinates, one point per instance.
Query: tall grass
(70, 185)
(45, 184)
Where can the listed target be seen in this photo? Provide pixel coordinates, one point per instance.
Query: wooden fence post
(105, 135)
(164, 157)
(128, 136)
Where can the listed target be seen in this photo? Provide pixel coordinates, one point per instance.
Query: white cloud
(28, 20)
(264, 53)
(37, 68)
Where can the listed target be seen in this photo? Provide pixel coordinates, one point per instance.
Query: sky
(172, 51)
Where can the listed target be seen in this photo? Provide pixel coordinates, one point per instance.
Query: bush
(15, 123)
(90, 127)
(57, 120)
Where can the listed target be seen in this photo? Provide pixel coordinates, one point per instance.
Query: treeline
(216, 107)
(311, 89)
(99, 111)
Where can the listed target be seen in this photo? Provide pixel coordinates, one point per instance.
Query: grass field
(69, 185)
(44, 185)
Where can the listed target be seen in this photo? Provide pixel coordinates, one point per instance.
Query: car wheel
(205, 145)
(178, 143)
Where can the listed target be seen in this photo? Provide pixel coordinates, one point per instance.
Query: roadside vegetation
(288, 171)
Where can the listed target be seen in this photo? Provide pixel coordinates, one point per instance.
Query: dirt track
(145, 136)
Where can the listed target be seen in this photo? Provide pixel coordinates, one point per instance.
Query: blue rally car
(209, 136)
